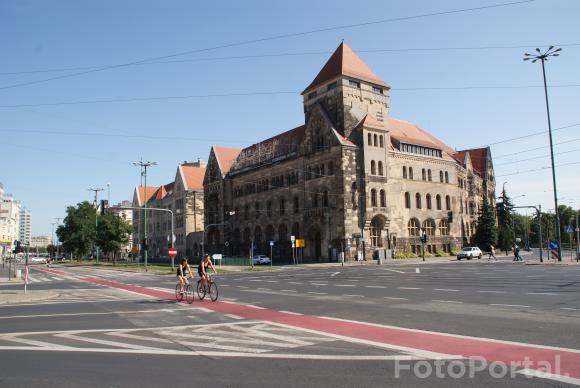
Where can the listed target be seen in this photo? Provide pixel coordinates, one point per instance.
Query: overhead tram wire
(537, 157)
(538, 169)
(247, 94)
(270, 38)
(290, 54)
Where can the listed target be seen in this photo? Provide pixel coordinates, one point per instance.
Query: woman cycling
(181, 273)
(202, 269)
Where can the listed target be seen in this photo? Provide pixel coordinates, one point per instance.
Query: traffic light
(18, 247)
(424, 239)
(450, 217)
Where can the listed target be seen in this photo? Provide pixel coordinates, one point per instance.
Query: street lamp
(144, 166)
(96, 217)
(543, 57)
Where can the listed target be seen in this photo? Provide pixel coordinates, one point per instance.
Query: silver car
(469, 253)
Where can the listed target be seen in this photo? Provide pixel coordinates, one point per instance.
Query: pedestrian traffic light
(450, 217)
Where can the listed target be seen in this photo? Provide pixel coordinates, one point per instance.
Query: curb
(30, 296)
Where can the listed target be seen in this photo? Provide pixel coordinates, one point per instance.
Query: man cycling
(202, 269)
(181, 273)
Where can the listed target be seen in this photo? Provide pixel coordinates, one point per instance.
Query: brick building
(351, 179)
(184, 197)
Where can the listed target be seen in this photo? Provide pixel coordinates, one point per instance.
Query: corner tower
(348, 90)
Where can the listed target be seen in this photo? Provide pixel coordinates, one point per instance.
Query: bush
(454, 252)
(440, 254)
(405, 255)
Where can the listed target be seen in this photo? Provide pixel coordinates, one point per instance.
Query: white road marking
(542, 293)
(357, 296)
(271, 281)
(242, 287)
(265, 289)
(334, 274)
(409, 288)
(569, 308)
(288, 291)
(102, 342)
(376, 286)
(509, 305)
(394, 298)
(290, 312)
(550, 376)
(445, 301)
(345, 285)
(57, 278)
(233, 316)
(255, 307)
(295, 283)
(445, 289)
(493, 292)
(317, 293)
(95, 313)
(393, 270)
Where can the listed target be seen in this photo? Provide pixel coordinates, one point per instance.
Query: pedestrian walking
(491, 253)
(517, 256)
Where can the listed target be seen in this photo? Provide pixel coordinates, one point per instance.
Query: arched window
(429, 226)
(247, 235)
(382, 198)
(373, 198)
(404, 172)
(296, 205)
(441, 176)
(376, 140)
(446, 177)
(418, 201)
(413, 227)
(380, 168)
(423, 174)
(257, 207)
(438, 201)
(381, 143)
(269, 209)
(282, 233)
(428, 198)
(246, 212)
(370, 140)
(410, 172)
(315, 199)
(407, 200)
(429, 176)
(296, 229)
(447, 202)
(325, 199)
(258, 235)
(373, 167)
(269, 233)
(330, 169)
(376, 230)
(282, 206)
(443, 227)
(353, 195)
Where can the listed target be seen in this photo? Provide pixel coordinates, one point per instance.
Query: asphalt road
(95, 335)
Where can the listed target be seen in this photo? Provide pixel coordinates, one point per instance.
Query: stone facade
(350, 181)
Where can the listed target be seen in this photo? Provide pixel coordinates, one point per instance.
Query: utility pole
(56, 239)
(577, 238)
(543, 57)
(144, 166)
(96, 219)
(541, 238)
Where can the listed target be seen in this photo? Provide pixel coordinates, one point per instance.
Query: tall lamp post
(543, 57)
(96, 217)
(144, 166)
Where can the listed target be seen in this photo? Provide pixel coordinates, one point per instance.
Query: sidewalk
(18, 296)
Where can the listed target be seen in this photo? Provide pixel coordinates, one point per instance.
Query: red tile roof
(344, 61)
(151, 191)
(478, 158)
(406, 132)
(225, 157)
(193, 177)
(370, 122)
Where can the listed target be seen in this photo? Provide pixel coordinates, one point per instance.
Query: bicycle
(181, 290)
(210, 287)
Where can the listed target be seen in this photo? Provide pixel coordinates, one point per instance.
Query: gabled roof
(479, 158)
(192, 177)
(408, 133)
(225, 157)
(140, 190)
(344, 61)
(370, 122)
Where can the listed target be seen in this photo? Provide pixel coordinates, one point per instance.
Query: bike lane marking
(435, 344)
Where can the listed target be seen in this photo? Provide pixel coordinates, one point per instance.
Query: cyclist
(181, 273)
(202, 269)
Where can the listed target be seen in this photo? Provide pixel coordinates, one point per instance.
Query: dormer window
(377, 90)
(331, 86)
(312, 95)
(354, 84)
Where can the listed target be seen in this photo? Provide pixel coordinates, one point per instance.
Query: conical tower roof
(344, 61)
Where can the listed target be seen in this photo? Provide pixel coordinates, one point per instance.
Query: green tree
(112, 233)
(486, 232)
(77, 232)
(504, 218)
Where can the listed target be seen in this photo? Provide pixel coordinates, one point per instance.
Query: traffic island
(18, 296)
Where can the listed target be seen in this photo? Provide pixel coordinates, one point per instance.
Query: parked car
(38, 260)
(262, 259)
(469, 253)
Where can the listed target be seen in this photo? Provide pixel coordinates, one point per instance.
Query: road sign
(271, 243)
(553, 244)
(292, 238)
(569, 229)
(172, 252)
(300, 243)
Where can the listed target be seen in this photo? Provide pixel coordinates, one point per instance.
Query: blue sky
(50, 155)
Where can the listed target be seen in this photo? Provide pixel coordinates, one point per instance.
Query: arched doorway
(314, 243)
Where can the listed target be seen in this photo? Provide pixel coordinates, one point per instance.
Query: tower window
(312, 95)
(354, 84)
(377, 90)
(331, 86)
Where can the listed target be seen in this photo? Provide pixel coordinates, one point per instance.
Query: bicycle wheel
(178, 292)
(189, 292)
(213, 291)
(200, 290)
